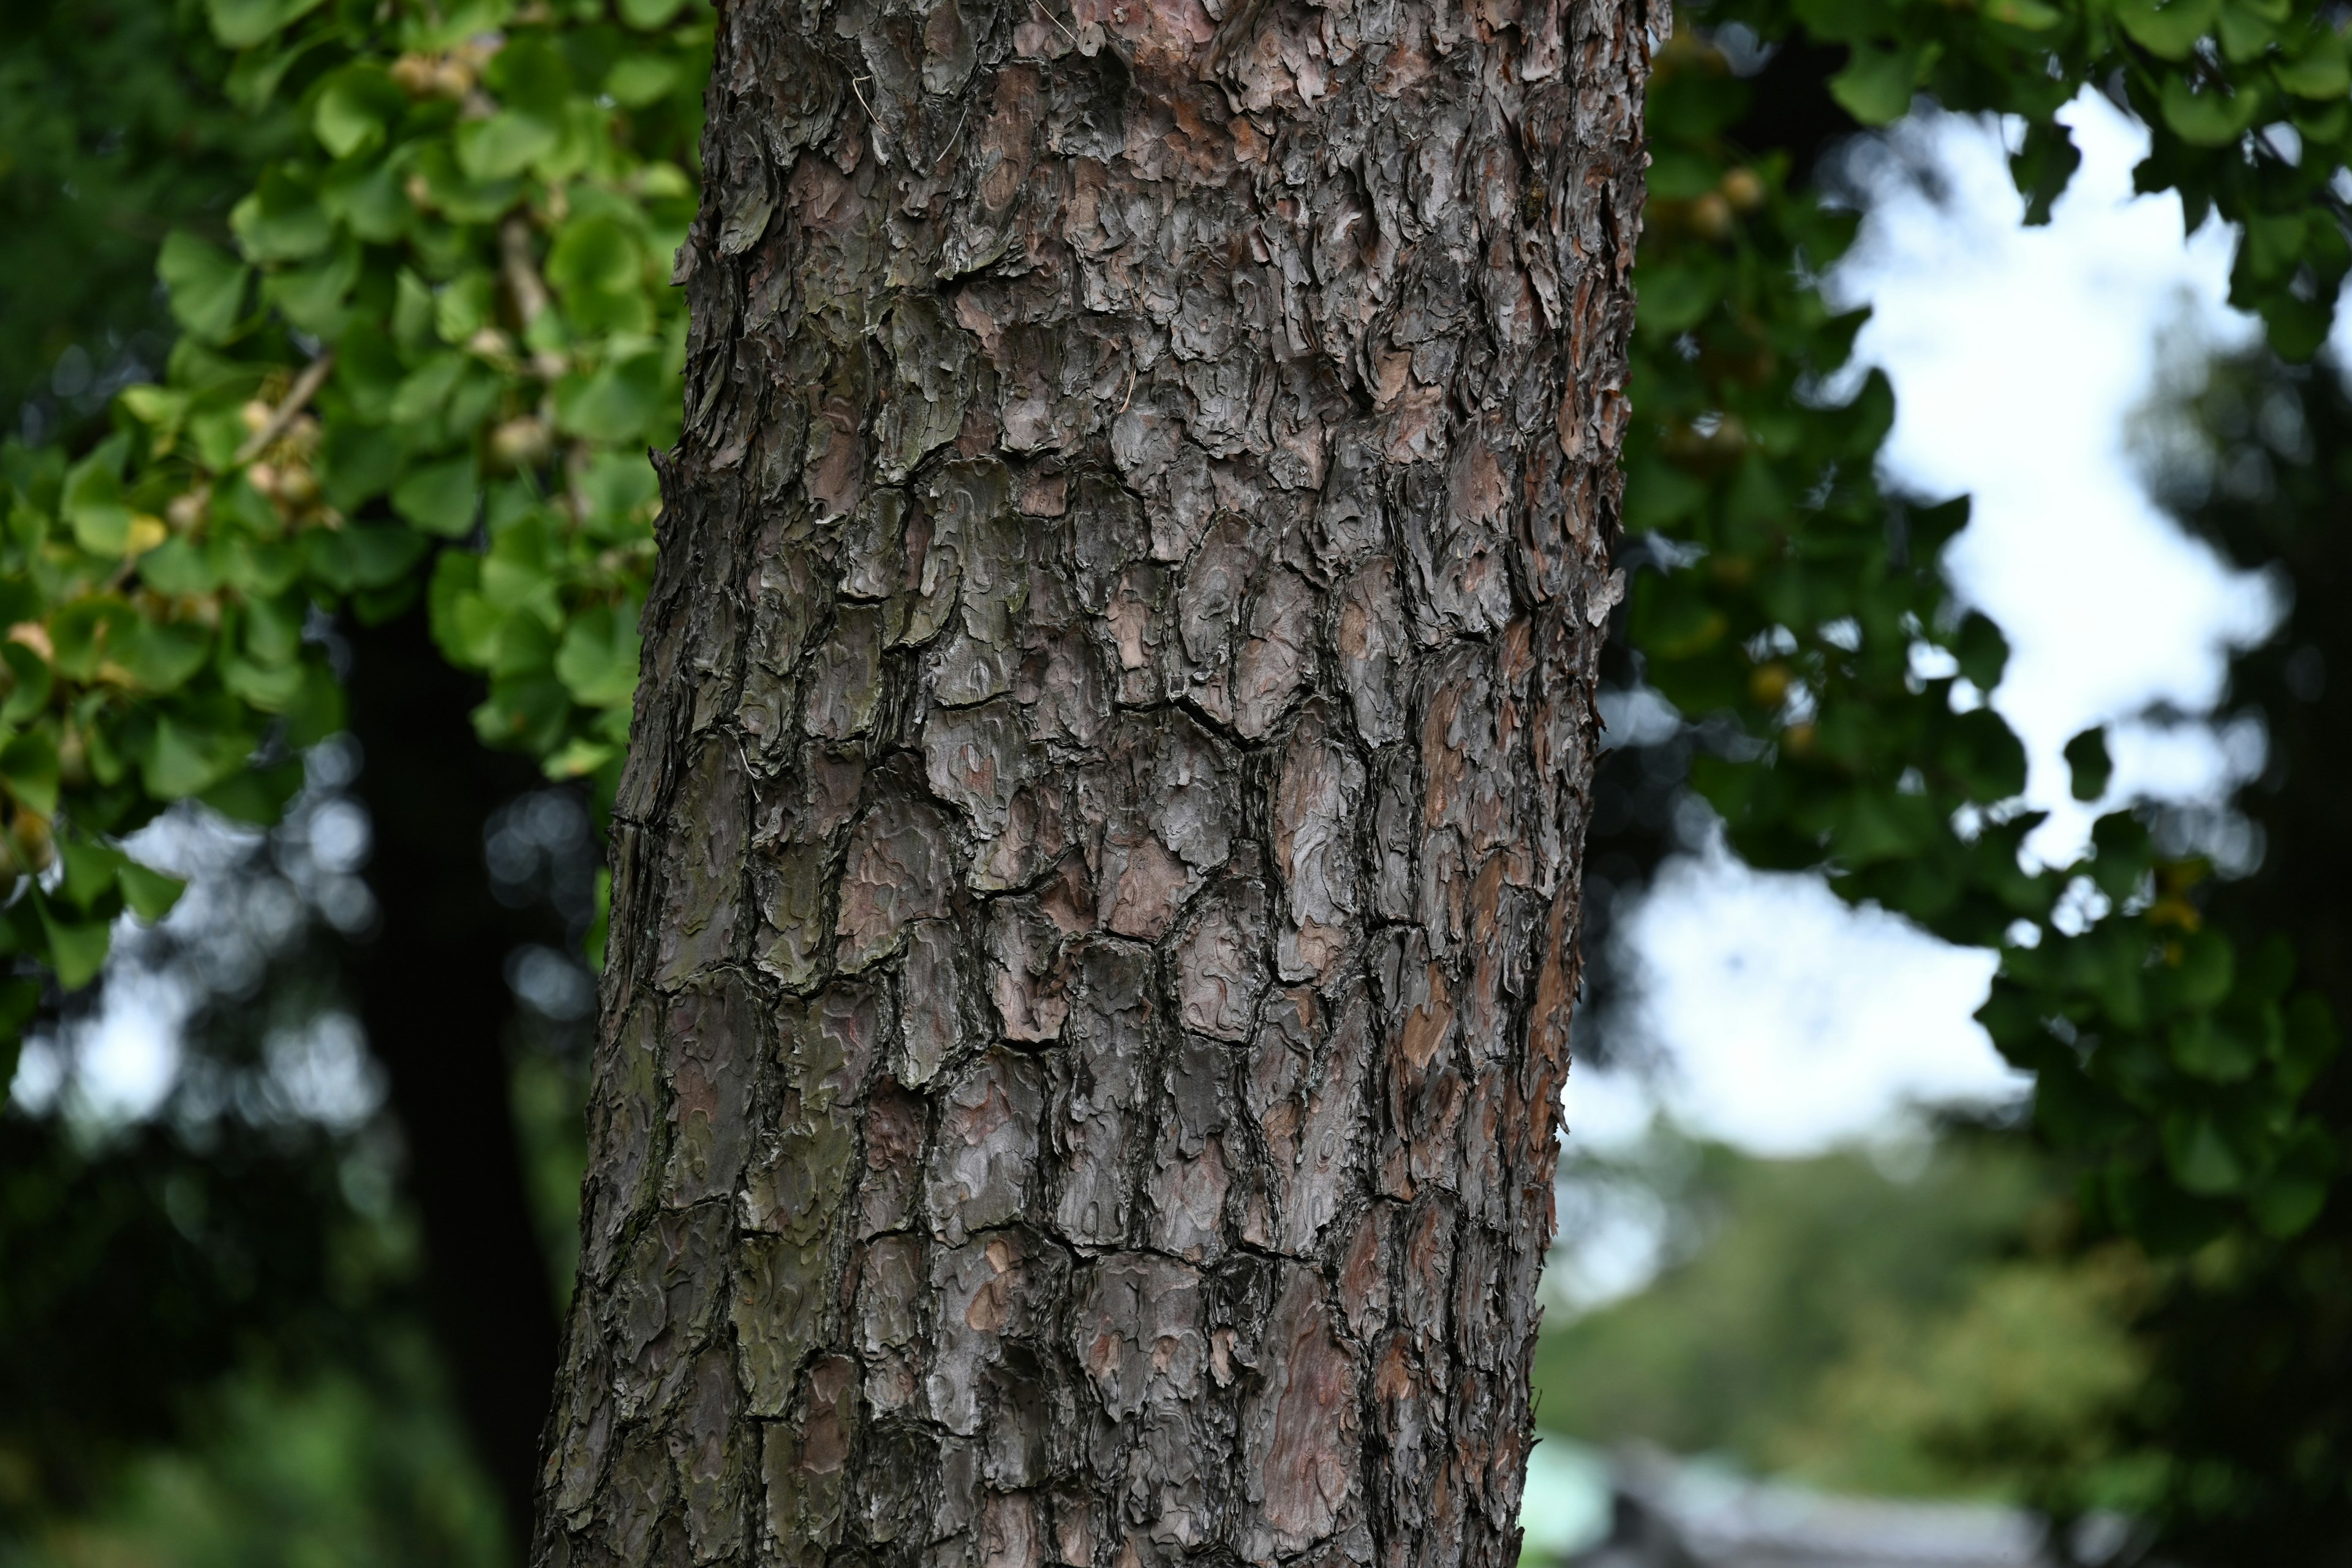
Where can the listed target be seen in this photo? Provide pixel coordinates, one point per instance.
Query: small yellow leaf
(147, 532)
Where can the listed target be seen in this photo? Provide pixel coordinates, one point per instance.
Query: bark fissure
(1096, 875)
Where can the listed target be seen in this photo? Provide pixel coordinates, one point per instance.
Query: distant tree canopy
(415, 339)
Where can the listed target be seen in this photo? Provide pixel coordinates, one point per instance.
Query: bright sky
(2017, 355)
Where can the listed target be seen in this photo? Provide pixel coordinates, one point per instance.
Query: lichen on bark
(1095, 878)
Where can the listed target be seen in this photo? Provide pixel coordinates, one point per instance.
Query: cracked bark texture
(1096, 880)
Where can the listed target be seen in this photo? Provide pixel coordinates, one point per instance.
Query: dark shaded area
(231, 1243)
(431, 990)
(1790, 110)
(137, 1269)
(1637, 785)
(114, 129)
(2253, 1395)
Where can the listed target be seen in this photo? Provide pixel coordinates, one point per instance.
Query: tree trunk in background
(432, 993)
(1096, 880)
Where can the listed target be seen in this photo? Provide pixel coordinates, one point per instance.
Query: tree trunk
(433, 996)
(1096, 881)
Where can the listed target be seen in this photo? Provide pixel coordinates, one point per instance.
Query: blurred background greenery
(216, 1343)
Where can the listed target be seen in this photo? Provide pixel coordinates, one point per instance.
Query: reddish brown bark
(1096, 881)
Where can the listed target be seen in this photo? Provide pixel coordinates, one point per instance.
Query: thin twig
(1057, 21)
(871, 118)
(314, 376)
(1130, 386)
(952, 139)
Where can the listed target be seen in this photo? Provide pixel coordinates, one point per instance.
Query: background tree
(2251, 1398)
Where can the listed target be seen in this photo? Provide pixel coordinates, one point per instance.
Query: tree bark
(1096, 880)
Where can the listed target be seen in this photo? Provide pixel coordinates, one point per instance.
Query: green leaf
(368, 198)
(1985, 756)
(2207, 967)
(32, 683)
(270, 688)
(161, 658)
(2043, 167)
(79, 635)
(1657, 495)
(240, 24)
(281, 220)
(2208, 119)
(256, 796)
(2308, 1041)
(1876, 84)
(77, 948)
(2293, 1194)
(204, 283)
(2202, 1157)
(620, 492)
(311, 297)
(595, 253)
(465, 306)
(637, 80)
(2321, 71)
(30, 763)
(356, 107)
(88, 869)
(2088, 764)
(598, 657)
(504, 146)
(2030, 15)
(530, 75)
(317, 710)
(179, 567)
(2171, 30)
(1981, 650)
(616, 403)
(355, 557)
(2204, 1047)
(150, 893)
(183, 760)
(2244, 35)
(465, 631)
(526, 713)
(441, 497)
(92, 499)
(427, 390)
(648, 13)
(1673, 297)
(356, 463)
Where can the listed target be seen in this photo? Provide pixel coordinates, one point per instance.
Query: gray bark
(1096, 881)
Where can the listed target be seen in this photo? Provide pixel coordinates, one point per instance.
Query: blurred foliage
(2251, 1399)
(1806, 605)
(339, 1471)
(115, 128)
(137, 1269)
(1863, 1323)
(213, 1324)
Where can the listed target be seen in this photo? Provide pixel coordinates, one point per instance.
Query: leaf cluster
(1807, 604)
(428, 362)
